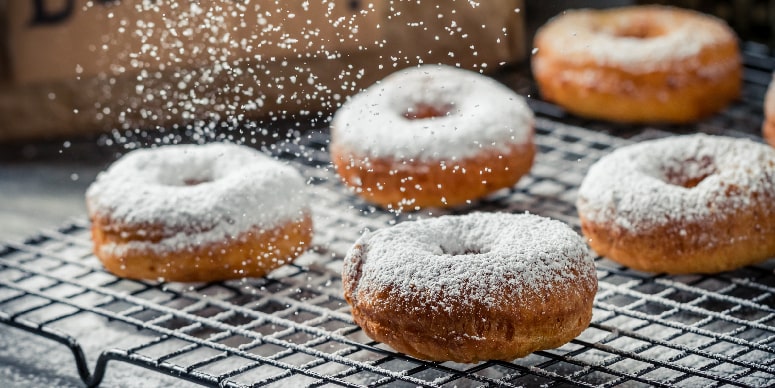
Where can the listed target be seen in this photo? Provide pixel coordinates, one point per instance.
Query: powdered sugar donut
(638, 64)
(432, 136)
(688, 204)
(474, 287)
(768, 128)
(198, 213)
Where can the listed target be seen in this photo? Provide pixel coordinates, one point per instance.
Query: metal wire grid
(294, 329)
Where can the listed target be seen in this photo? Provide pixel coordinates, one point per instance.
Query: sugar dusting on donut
(468, 112)
(677, 179)
(199, 193)
(675, 35)
(476, 257)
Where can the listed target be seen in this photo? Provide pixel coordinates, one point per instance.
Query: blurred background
(753, 20)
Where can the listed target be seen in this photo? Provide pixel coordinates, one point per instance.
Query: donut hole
(635, 30)
(639, 31)
(689, 173)
(462, 250)
(687, 182)
(195, 181)
(185, 181)
(426, 111)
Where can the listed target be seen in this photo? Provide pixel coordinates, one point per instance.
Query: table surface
(41, 194)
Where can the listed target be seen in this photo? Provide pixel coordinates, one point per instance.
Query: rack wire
(293, 328)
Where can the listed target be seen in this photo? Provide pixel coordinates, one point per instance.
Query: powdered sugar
(580, 35)
(641, 186)
(474, 257)
(480, 113)
(199, 194)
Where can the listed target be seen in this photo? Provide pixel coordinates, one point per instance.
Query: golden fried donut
(469, 288)
(638, 64)
(687, 204)
(768, 128)
(198, 213)
(432, 136)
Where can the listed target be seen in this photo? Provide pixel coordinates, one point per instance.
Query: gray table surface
(41, 194)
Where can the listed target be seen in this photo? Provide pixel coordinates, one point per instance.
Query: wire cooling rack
(293, 327)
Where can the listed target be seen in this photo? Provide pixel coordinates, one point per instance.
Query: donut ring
(768, 128)
(688, 204)
(432, 136)
(638, 64)
(473, 287)
(198, 213)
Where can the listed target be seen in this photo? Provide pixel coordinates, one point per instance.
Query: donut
(768, 128)
(679, 205)
(432, 136)
(197, 213)
(481, 286)
(638, 64)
